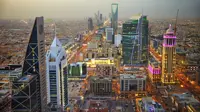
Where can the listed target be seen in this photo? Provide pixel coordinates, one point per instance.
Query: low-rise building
(147, 104)
(154, 68)
(100, 86)
(185, 101)
(132, 84)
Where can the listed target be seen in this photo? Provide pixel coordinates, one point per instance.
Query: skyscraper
(90, 24)
(135, 40)
(33, 74)
(114, 17)
(56, 64)
(169, 57)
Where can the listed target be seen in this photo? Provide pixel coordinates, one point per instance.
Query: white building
(109, 34)
(117, 40)
(56, 70)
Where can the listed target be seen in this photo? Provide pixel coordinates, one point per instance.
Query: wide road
(194, 89)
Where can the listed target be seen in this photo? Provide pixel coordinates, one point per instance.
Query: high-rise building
(114, 17)
(33, 80)
(118, 39)
(169, 57)
(90, 24)
(135, 40)
(56, 64)
(109, 34)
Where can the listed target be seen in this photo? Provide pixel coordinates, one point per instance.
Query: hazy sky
(86, 8)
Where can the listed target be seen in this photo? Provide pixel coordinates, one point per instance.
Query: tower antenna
(176, 22)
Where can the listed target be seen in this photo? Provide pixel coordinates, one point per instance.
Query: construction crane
(176, 22)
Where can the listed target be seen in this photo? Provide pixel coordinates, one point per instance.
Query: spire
(56, 43)
(55, 30)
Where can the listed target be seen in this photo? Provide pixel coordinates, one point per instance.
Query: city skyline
(79, 9)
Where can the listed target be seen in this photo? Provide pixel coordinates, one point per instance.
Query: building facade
(56, 70)
(132, 84)
(169, 57)
(100, 86)
(109, 34)
(135, 40)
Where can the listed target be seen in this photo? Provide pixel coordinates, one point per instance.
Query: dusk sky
(79, 9)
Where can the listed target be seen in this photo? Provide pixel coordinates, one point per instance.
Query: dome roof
(170, 30)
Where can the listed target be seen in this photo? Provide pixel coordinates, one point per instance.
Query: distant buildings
(90, 24)
(109, 34)
(100, 86)
(33, 80)
(56, 70)
(169, 57)
(132, 84)
(114, 17)
(147, 104)
(135, 40)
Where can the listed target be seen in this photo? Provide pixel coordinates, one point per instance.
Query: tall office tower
(135, 41)
(114, 17)
(90, 24)
(109, 34)
(169, 57)
(101, 18)
(56, 71)
(33, 74)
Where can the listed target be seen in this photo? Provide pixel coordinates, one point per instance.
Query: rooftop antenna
(54, 29)
(176, 22)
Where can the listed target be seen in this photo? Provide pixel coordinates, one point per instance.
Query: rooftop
(132, 76)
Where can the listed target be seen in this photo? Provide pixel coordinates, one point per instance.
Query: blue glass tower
(114, 17)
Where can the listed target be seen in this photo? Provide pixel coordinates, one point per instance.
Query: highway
(194, 89)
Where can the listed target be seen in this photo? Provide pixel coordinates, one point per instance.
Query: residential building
(56, 72)
(169, 57)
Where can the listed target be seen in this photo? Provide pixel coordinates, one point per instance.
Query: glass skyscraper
(135, 41)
